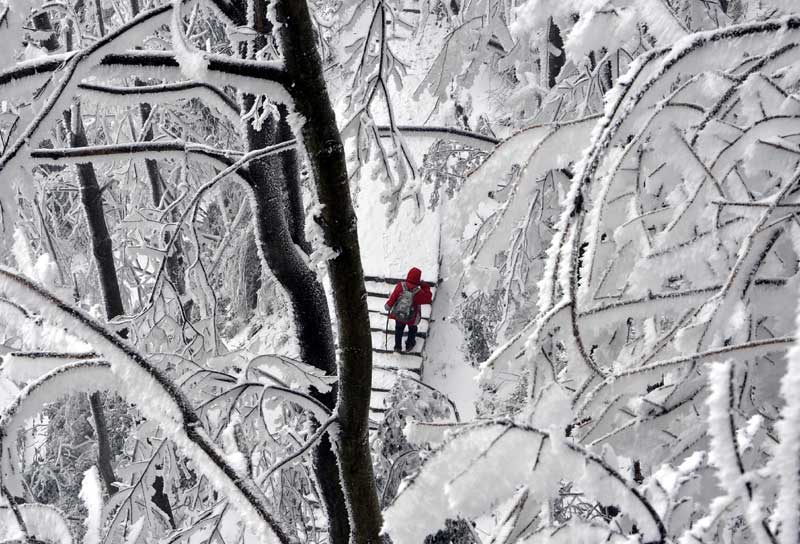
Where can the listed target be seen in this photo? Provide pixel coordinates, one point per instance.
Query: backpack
(403, 309)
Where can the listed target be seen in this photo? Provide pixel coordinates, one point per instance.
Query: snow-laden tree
(636, 254)
(508, 64)
(130, 120)
(661, 237)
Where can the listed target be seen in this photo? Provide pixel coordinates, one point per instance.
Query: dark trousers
(398, 334)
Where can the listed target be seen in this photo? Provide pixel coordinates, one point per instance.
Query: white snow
(92, 496)
(786, 463)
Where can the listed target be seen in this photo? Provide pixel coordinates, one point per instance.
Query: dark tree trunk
(325, 152)
(279, 228)
(606, 75)
(101, 24)
(92, 200)
(103, 444)
(252, 273)
(294, 193)
(42, 22)
(554, 62)
(161, 499)
(274, 240)
(151, 165)
(102, 248)
(175, 262)
(309, 305)
(103, 251)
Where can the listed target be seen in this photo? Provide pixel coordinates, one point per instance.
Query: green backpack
(403, 309)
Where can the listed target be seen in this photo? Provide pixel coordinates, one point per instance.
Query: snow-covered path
(389, 249)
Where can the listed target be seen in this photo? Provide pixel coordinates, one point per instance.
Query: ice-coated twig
(725, 453)
(163, 149)
(300, 452)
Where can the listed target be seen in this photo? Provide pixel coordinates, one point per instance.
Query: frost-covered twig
(300, 452)
(475, 139)
(725, 453)
(163, 149)
(163, 93)
(60, 96)
(307, 402)
(786, 463)
(741, 351)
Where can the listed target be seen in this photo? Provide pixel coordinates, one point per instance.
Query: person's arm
(424, 296)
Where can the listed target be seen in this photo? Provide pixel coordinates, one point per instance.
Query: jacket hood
(414, 276)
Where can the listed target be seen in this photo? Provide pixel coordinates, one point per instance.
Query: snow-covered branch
(155, 394)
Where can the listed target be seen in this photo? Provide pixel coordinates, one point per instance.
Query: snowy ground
(8, 392)
(389, 250)
(445, 367)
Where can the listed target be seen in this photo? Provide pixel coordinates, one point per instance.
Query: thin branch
(151, 93)
(303, 449)
(111, 152)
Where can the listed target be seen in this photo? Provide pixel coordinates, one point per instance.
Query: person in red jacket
(404, 307)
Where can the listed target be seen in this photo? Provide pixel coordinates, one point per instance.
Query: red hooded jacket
(423, 296)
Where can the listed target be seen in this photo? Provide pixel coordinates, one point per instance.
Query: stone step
(382, 379)
(376, 401)
(390, 360)
(375, 419)
(383, 342)
(405, 333)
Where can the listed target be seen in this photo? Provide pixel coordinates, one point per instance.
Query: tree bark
(104, 455)
(309, 307)
(101, 24)
(554, 62)
(291, 176)
(278, 217)
(325, 153)
(274, 239)
(41, 21)
(92, 200)
(151, 165)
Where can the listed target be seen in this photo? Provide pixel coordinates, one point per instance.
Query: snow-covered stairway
(386, 364)
(391, 244)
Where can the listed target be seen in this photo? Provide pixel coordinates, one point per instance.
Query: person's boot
(410, 345)
(398, 347)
